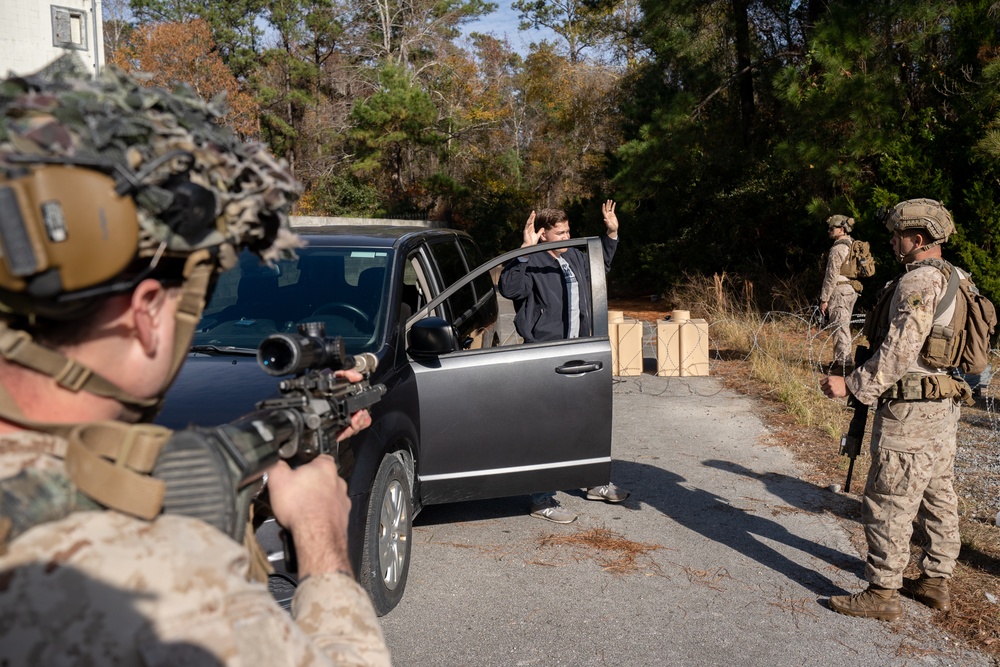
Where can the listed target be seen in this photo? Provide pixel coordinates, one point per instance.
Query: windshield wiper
(224, 349)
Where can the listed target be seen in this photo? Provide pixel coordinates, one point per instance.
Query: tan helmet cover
(841, 221)
(926, 214)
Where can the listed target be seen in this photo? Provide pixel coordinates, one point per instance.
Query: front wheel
(388, 529)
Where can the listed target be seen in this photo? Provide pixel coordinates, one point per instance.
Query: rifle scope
(285, 354)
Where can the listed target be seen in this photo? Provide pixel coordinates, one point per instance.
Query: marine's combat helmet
(105, 182)
(926, 214)
(841, 221)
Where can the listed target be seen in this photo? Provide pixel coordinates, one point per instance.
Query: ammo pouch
(143, 470)
(916, 387)
(856, 285)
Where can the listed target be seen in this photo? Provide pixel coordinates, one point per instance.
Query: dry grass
(764, 357)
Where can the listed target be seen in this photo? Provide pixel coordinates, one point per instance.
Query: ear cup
(65, 229)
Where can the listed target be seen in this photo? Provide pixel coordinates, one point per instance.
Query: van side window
(451, 267)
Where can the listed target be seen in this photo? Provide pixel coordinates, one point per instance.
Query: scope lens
(277, 355)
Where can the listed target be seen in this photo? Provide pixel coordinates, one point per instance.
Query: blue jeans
(542, 498)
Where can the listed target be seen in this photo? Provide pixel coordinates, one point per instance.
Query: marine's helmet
(105, 182)
(840, 221)
(926, 214)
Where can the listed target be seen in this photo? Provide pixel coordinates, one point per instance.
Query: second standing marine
(839, 293)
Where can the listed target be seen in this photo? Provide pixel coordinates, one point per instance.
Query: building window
(69, 28)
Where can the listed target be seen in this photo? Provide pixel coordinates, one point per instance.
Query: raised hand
(610, 219)
(531, 237)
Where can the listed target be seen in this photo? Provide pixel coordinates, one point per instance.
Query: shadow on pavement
(473, 510)
(796, 492)
(715, 518)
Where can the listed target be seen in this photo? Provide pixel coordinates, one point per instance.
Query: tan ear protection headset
(63, 229)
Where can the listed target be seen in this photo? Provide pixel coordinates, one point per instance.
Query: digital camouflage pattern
(834, 260)
(114, 121)
(911, 317)
(840, 297)
(114, 590)
(911, 477)
(913, 442)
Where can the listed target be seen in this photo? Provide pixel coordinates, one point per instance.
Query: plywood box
(668, 348)
(694, 348)
(614, 316)
(681, 347)
(626, 346)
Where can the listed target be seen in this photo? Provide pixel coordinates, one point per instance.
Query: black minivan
(470, 412)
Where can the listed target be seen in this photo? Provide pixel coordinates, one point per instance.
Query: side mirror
(431, 337)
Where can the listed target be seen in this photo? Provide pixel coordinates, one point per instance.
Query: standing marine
(839, 293)
(914, 434)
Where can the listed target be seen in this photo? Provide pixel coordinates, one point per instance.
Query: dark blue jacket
(535, 284)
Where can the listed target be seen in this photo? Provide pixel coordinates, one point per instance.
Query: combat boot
(875, 602)
(931, 591)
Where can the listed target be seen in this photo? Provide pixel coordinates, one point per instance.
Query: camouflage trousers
(838, 310)
(911, 478)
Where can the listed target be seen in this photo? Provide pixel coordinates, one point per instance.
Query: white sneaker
(609, 493)
(553, 511)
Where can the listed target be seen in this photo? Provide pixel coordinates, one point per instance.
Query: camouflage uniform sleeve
(338, 616)
(912, 309)
(837, 257)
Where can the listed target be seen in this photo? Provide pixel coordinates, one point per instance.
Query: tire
(385, 560)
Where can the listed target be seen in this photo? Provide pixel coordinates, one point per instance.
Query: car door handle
(577, 367)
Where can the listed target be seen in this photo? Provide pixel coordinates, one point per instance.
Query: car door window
(533, 295)
(416, 285)
(451, 267)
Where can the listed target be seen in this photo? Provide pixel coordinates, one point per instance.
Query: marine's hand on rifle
(311, 502)
(833, 386)
(360, 420)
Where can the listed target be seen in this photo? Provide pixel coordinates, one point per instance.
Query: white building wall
(30, 38)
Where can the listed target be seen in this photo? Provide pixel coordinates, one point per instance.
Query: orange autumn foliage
(167, 53)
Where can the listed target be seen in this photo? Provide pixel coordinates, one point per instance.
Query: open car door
(515, 418)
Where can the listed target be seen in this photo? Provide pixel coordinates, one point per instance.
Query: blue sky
(504, 22)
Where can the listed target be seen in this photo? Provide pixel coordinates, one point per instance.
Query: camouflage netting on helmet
(154, 137)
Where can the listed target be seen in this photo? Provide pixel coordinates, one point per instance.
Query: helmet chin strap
(916, 251)
(19, 347)
(111, 461)
(199, 269)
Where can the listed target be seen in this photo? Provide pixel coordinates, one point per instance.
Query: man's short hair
(548, 218)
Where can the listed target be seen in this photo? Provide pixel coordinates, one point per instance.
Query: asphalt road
(745, 555)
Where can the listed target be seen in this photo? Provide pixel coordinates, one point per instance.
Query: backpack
(965, 342)
(859, 262)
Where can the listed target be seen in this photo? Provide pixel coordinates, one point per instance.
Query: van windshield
(344, 288)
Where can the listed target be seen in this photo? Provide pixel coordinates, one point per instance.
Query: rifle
(850, 442)
(817, 316)
(209, 472)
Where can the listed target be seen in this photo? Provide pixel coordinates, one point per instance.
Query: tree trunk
(744, 82)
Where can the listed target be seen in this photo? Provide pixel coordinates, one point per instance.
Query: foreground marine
(119, 207)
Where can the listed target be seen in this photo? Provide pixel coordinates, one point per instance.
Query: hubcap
(393, 535)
